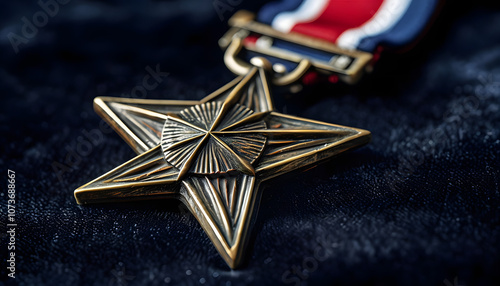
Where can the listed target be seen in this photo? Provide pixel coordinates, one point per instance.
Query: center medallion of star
(213, 154)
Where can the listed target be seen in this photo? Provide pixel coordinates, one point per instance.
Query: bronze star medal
(213, 154)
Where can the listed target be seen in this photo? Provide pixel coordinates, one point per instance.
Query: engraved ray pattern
(252, 96)
(179, 155)
(249, 146)
(151, 168)
(224, 198)
(145, 124)
(175, 132)
(236, 114)
(181, 139)
(214, 158)
(202, 115)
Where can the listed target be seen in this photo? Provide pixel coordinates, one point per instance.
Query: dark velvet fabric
(419, 205)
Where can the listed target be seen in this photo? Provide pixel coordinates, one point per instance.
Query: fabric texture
(419, 205)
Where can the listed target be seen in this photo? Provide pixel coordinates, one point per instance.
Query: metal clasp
(349, 65)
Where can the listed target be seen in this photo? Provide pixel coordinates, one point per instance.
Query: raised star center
(206, 140)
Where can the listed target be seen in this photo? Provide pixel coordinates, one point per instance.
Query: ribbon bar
(287, 50)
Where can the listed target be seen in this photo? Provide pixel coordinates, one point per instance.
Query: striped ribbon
(354, 24)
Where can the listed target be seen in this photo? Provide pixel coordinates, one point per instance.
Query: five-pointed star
(213, 154)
